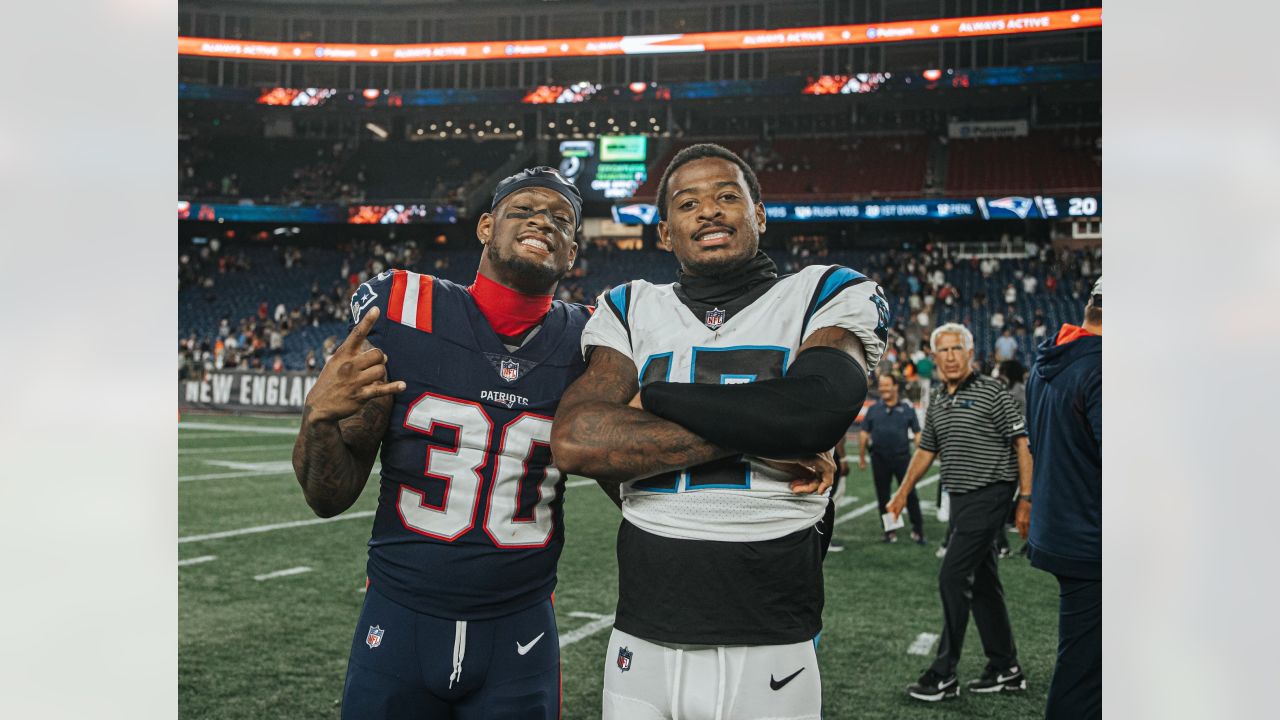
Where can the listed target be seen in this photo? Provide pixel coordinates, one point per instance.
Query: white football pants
(707, 682)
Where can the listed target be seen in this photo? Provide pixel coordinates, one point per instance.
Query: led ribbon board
(739, 40)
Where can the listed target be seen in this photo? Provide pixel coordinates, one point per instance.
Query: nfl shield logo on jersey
(624, 659)
(374, 638)
(510, 370)
(715, 318)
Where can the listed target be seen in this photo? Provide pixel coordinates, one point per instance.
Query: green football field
(268, 594)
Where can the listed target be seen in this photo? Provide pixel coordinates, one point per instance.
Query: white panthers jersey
(738, 499)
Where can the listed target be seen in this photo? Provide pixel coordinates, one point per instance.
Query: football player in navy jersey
(456, 388)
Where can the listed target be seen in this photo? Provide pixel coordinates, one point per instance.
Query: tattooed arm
(343, 421)
(598, 435)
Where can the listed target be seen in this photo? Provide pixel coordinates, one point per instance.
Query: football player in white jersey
(719, 551)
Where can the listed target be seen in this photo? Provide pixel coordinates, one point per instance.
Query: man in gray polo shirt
(975, 426)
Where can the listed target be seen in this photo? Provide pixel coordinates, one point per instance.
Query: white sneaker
(944, 507)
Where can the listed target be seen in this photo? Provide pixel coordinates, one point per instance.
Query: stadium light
(448, 123)
(511, 126)
(376, 130)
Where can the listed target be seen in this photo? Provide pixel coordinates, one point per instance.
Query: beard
(522, 274)
(718, 267)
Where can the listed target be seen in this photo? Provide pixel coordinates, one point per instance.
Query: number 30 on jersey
(521, 443)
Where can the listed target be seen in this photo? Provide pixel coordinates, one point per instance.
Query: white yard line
(234, 448)
(863, 510)
(275, 526)
(847, 500)
(267, 469)
(579, 483)
(283, 573)
(587, 615)
(257, 429)
(922, 644)
(197, 560)
(225, 475)
(586, 631)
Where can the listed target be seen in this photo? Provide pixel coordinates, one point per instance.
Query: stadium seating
(237, 295)
(265, 168)
(1043, 162)
(825, 168)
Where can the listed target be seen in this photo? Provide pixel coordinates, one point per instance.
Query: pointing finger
(361, 330)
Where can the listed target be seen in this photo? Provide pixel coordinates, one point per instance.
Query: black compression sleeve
(806, 411)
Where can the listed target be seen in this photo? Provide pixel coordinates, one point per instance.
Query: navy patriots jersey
(469, 520)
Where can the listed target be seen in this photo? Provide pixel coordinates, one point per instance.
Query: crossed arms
(597, 433)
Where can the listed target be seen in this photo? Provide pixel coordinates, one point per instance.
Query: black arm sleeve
(806, 411)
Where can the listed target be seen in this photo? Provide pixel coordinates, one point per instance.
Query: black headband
(543, 177)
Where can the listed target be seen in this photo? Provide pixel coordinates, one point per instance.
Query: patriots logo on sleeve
(361, 300)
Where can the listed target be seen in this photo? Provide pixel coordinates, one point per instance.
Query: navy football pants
(1076, 690)
(409, 666)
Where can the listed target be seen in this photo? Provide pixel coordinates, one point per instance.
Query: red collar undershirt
(509, 312)
(1070, 332)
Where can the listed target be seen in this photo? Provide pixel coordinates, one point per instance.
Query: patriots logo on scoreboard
(715, 318)
(624, 659)
(509, 370)
(1020, 206)
(361, 300)
(374, 638)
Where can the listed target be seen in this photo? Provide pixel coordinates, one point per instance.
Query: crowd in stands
(286, 307)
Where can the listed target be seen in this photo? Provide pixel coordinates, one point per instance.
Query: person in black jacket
(1064, 409)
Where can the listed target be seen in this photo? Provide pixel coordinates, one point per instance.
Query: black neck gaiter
(720, 290)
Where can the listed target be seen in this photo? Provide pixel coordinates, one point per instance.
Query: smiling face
(529, 240)
(888, 390)
(712, 226)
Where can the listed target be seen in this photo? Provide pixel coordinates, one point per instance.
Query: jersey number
(715, 365)
(523, 467)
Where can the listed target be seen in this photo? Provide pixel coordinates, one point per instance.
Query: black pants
(1076, 690)
(883, 470)
(969, 580)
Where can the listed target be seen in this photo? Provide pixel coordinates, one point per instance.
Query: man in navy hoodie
(1064, 422)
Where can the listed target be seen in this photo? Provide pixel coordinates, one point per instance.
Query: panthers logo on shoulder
(362, 299)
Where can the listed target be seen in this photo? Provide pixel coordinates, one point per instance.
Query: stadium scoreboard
(612, 167)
